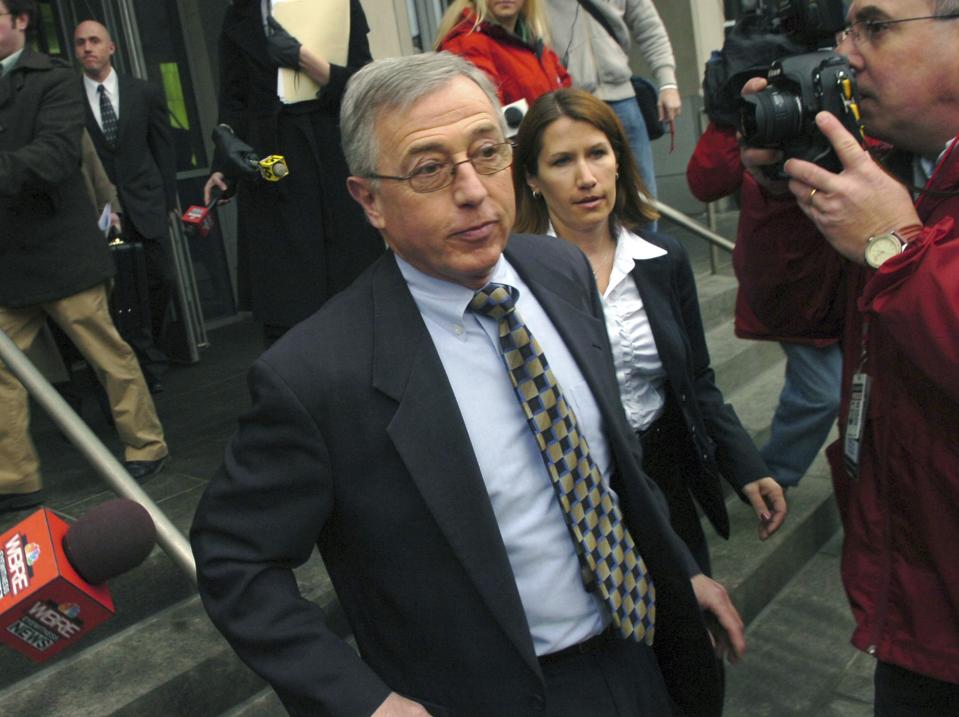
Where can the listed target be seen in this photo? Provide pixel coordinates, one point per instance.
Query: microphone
(513, 114)
(234, 158)
(53, 575)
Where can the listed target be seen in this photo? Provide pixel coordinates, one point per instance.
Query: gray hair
(396, 84)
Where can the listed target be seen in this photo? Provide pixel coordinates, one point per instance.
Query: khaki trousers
(85, 318)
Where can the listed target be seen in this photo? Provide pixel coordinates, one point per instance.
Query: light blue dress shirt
(541, 552)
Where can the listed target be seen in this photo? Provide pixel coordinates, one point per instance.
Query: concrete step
(737, 361)
(754, 571)
(171, 664)
(799, 662)
(717, 298)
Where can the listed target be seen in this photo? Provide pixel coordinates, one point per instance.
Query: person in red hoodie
(507, 39)
(896, 465)
(809, 400)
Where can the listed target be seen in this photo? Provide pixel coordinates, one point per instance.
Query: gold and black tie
(612, 564)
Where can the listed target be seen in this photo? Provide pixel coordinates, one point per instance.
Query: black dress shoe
(141, 470)
(12, 502)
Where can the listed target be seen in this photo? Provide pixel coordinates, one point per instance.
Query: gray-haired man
(385, 429)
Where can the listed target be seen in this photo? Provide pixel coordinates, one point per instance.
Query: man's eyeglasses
(435, 175)
(866, 31)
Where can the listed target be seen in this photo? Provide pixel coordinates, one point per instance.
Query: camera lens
(771, 116)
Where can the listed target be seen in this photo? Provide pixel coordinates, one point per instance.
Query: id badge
(855, 421)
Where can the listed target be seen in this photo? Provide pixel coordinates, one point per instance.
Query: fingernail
(765, 517)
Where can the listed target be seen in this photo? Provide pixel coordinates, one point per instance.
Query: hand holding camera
(859, 202)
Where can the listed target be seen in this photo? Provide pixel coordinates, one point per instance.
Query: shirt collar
(10, 61)
(110, 83)
(443, 301)
(630, 248)
(927, 166)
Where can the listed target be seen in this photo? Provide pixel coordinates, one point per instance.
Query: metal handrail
(170, 539)
(692, 225)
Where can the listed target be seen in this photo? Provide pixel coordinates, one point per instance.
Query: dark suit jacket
(303, 239)
(143, 165)
(50, 246)
(355, 444)
(716, 442)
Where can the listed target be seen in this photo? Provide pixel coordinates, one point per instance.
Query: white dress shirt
(112, 87)
(639, 369)
(558, 609)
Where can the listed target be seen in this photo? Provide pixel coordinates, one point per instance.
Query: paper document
(321, 25)
(104, 221)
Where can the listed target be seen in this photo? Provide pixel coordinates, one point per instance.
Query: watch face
(880, 248)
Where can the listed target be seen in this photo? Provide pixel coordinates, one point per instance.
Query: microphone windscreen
(110, 539)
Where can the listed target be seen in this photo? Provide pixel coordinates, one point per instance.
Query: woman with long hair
(508, 40)
(575, 177)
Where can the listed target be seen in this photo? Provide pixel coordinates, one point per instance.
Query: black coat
(50, 246)
(143, 164)
(714, 442)
(355, 444)
(304, 238)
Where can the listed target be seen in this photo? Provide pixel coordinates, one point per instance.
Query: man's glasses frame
(871, 28)
(436, 175)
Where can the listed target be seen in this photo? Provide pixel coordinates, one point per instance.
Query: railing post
(170, 539)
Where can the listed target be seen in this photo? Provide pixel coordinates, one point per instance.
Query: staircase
(161, 657)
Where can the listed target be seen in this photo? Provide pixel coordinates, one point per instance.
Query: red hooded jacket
(775, 243)
(901, 514)
(519, 70)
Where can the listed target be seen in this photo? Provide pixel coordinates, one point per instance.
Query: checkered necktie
(610, 560)
(108, 118)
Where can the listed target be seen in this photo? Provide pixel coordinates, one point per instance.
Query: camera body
(773, 30)
(782, 116)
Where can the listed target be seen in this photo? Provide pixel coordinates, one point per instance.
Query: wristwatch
(881, 247)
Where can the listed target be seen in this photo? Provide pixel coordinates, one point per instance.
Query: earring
(535, 194)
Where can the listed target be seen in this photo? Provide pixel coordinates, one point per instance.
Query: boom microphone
(52, 575)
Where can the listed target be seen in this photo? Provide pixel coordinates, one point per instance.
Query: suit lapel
(430, 436)
(127, 103)
(583, 334)
(652, 280)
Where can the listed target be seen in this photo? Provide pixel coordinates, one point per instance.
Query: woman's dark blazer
(718, 445)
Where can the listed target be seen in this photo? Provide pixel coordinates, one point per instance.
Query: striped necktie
(609, 558)
(108, 118)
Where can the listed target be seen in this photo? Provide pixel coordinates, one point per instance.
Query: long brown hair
(532, 215)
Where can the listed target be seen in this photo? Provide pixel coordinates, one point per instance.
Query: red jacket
(901, 515)
(775, 243)
(519, 70)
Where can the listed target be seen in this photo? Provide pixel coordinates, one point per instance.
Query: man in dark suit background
(385, 430)
(127, 119)
(54, 261)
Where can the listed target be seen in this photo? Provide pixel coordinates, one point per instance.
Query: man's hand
(216, 180)
(115, 222)
(722, 619)
(768, 500)
(852, 206)
(281, 46)
(396, 706)
(670, 104)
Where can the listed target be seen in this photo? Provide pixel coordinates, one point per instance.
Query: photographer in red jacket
(896, 465)
(807, 331)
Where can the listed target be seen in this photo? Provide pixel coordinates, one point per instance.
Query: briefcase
(130, 298)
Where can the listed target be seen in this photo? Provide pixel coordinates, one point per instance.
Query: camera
(767, 33)
(782, 116)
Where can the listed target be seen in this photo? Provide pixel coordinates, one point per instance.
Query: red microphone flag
(45, 606)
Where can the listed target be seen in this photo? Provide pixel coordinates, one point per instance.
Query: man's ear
(361, 190)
